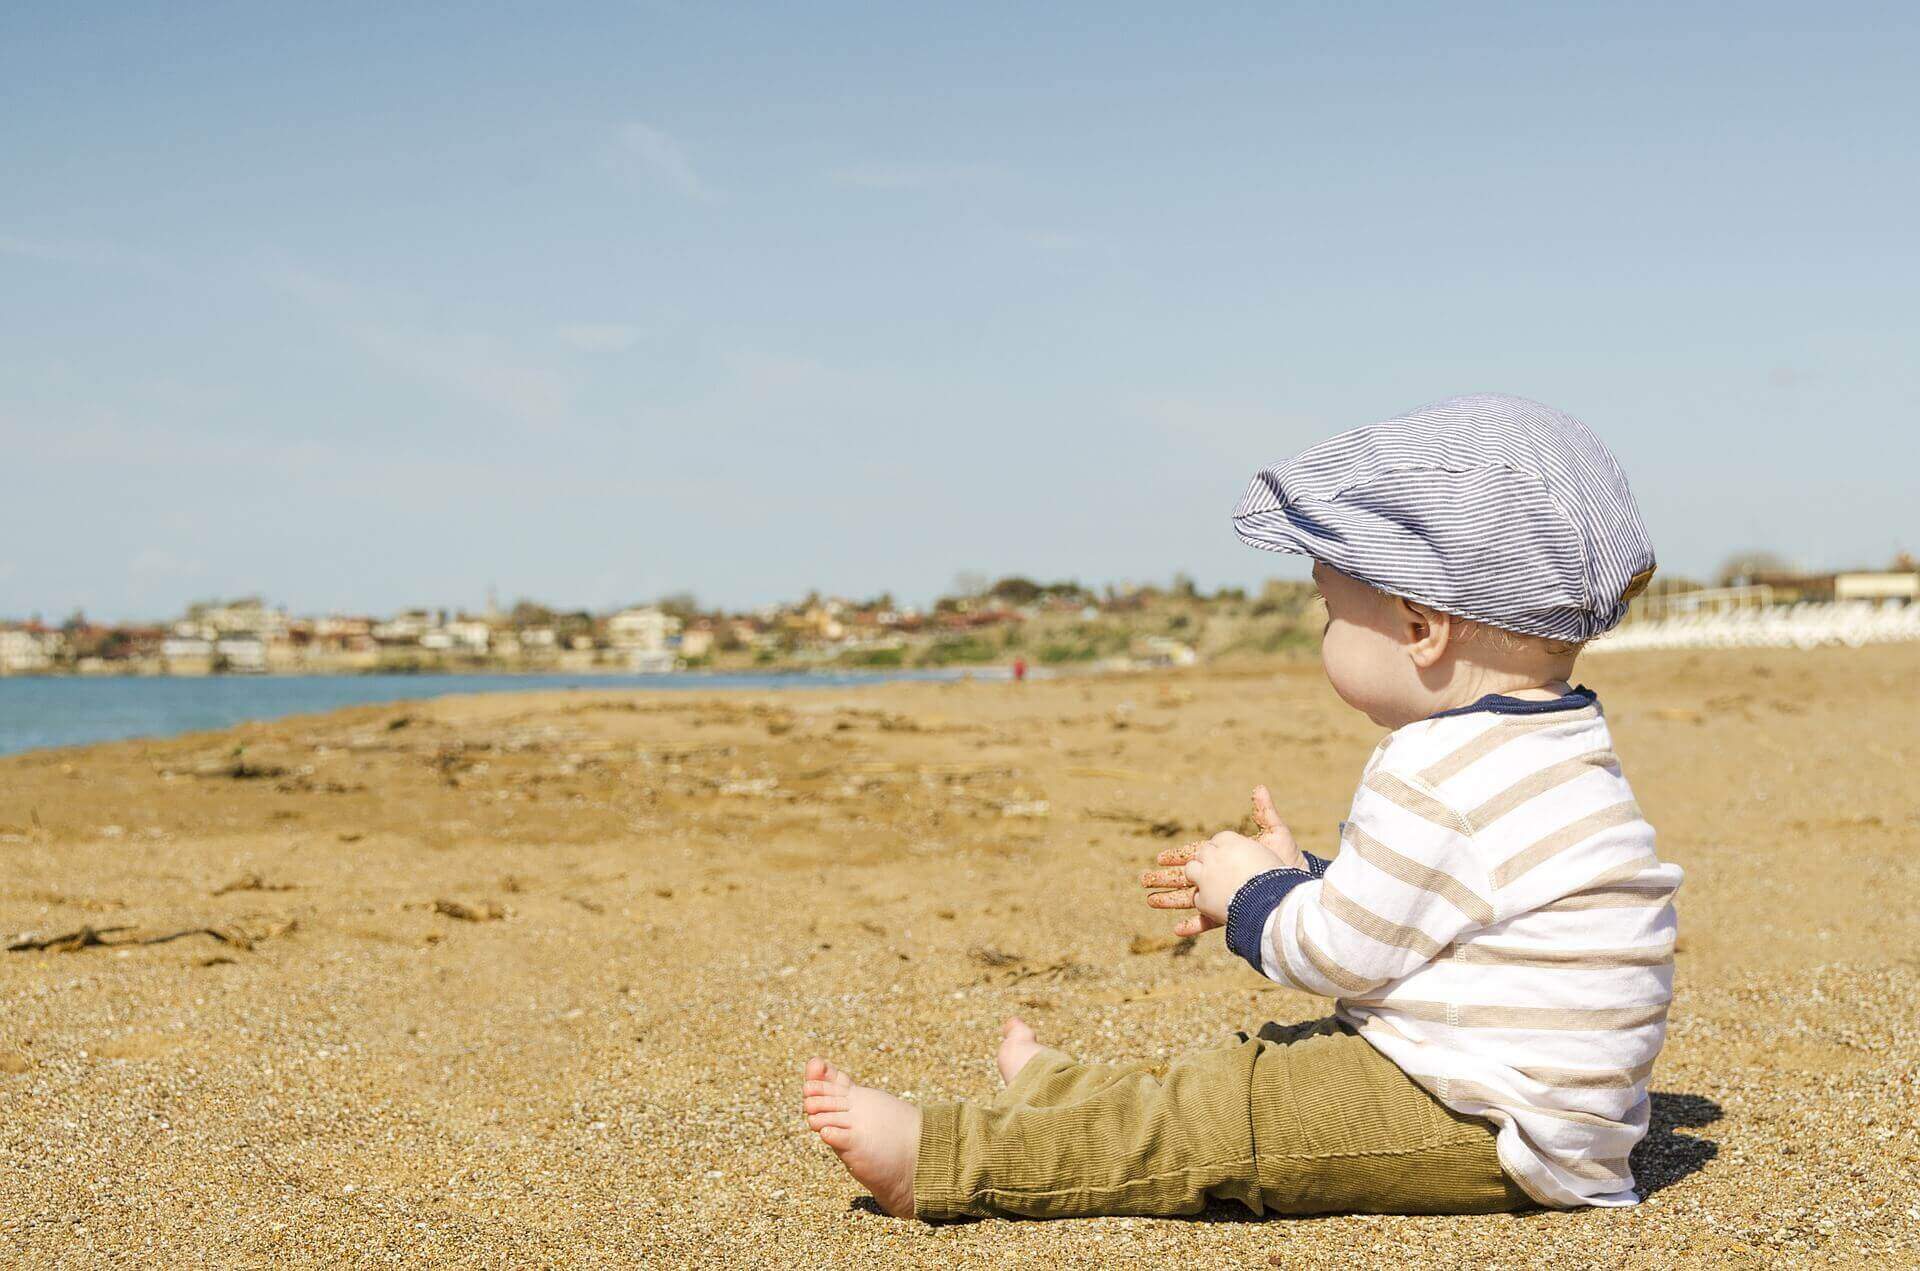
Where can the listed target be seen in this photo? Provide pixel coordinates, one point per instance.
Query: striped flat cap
(1488, 507)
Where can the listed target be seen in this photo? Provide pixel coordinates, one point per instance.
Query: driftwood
(89, 937)
(69, 942)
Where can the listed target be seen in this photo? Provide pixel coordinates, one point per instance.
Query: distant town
(1001, 622)
(998, 622)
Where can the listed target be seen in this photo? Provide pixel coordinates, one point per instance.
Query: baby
(1496, 930)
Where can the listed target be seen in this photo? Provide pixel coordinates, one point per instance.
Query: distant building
(249, 616)
(697, 642)
(1878, 585)
(25, 650)
(177, 647)
(646, 628)
(243, 653)
(469, 635)
(404, 628)
(339, 633)
(186, 651)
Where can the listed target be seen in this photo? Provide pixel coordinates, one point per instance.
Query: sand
(529, 980)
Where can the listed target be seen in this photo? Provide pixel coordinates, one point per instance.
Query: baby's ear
(1428, 631)
(1414, 617)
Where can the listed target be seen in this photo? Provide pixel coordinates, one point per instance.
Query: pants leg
(1101, 1140)
(1052, 1078)
(1339, 1128)
(1301, 1119)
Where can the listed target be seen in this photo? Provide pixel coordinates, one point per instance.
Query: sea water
(41, 711)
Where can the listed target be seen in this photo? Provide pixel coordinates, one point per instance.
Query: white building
(245, 653)
(643, 637)
(469, 635)
(404, 628)
(24, 651)
(240, 618)
(1877, 586)
(644, 629)
(183, 648)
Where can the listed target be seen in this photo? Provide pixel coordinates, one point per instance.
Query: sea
(42, 711)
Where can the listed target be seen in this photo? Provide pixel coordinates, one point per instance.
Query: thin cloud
(660, 158)
(913, 176)
(151, 564)
(600, 337)
(471, 367)
(60, 253)
(1055, 241)
(68, 252)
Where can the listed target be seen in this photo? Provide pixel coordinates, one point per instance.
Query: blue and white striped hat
(1488, 507)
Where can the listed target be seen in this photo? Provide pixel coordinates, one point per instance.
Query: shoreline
(42, 713)
(984, 668)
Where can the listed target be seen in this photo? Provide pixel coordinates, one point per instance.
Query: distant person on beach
(1496, 930)
(1019, 670)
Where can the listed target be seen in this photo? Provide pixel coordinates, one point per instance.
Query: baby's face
(1364, 650)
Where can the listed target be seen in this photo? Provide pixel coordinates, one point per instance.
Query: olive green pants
(1302, 1119)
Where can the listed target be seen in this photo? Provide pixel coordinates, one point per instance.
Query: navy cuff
(1253, 904)
(1316, 865)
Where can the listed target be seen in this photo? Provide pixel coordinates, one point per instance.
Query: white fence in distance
(1810, 625)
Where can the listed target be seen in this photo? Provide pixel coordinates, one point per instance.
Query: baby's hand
(1205, 876)
(1274, 834)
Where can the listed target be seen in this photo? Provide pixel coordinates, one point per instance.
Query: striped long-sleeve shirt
(1498, 925)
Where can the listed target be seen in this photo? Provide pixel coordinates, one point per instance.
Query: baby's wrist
(1253, 904)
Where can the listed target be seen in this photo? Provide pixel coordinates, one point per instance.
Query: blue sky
(367, 306)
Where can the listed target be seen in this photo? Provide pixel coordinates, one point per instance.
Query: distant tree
(568, 625)
(1016, 590)
(529, 613)
(681, 604)
(1183, 586)
(1743, 567)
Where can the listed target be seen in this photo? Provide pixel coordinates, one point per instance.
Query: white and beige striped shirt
(1497, 924)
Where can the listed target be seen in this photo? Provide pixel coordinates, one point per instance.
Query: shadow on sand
(1665, 1157)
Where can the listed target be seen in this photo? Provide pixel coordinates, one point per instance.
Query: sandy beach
(528, 980)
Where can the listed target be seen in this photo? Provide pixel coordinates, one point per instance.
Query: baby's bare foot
(1017, 1045)
(876, 1136)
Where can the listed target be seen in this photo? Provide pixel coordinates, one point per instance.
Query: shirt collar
(1501, 704)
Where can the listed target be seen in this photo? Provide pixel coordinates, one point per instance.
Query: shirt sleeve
(1406, 884)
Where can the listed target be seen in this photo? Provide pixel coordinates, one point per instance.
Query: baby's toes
(837, 1137)
(816, 1069)
(825, 1102)
(831, 1118)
